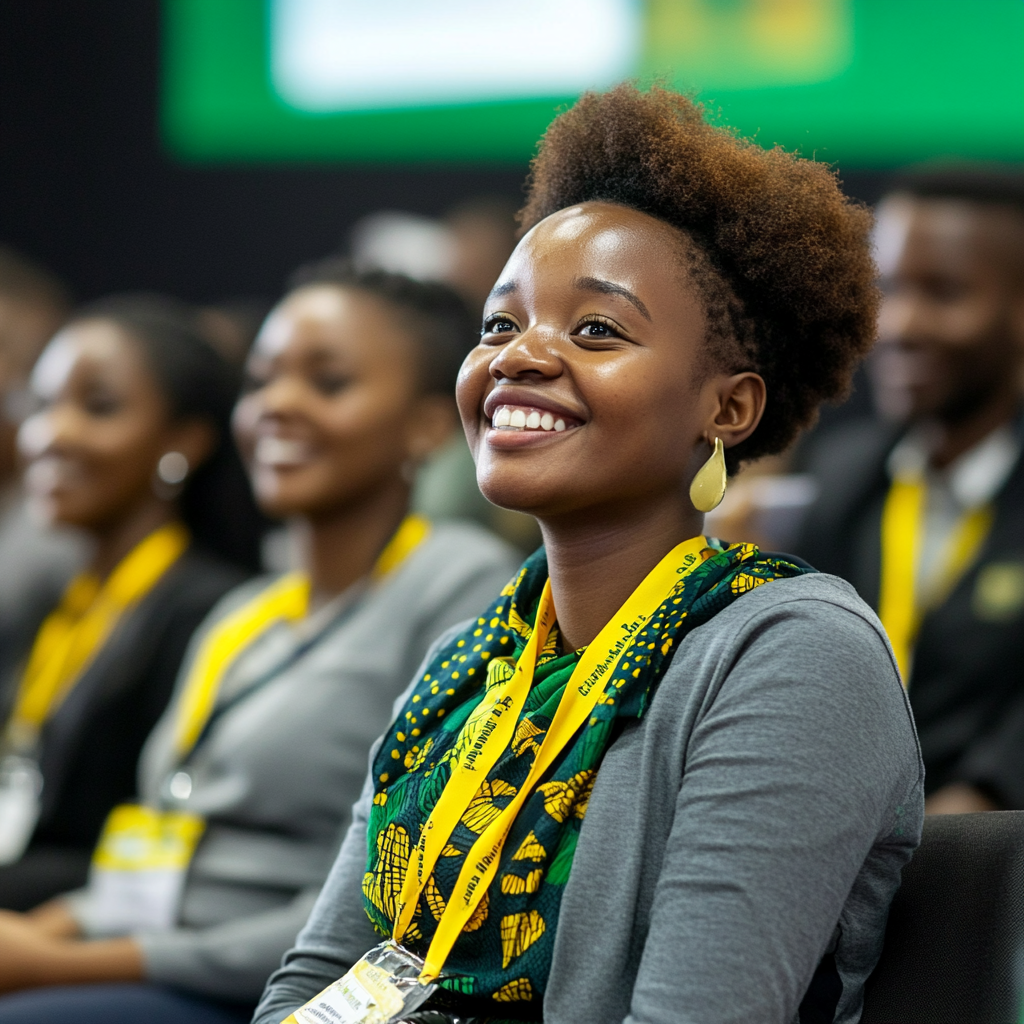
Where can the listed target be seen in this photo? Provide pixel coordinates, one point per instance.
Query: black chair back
(954, 946)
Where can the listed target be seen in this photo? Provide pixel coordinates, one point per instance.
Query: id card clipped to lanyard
(140, 863)
(66, 644)
(390, 981)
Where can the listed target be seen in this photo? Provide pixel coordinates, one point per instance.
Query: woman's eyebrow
(596, 284)
(503, 289)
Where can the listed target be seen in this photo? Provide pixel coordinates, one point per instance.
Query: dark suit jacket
(967, 680)
(91, 744)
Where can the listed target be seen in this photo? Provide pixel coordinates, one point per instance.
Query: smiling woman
(128, 445)
(660, 777)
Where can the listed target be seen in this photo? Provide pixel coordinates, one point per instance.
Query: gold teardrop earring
(708, 486)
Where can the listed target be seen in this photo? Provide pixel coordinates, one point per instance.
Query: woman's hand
(54, 918)
(29, 957)
(24, 950)
(958, 798)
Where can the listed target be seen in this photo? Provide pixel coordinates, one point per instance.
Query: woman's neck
(596, 562)
(116, 540)
(341, 546)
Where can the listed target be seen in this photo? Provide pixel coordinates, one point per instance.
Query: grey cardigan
(277, 773)
(746, 833)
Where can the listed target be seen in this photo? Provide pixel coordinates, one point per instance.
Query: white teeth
(519, 418)
(279, 451)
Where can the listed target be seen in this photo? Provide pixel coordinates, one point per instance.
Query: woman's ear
(195, 438)
(741, 402)
(433, 421)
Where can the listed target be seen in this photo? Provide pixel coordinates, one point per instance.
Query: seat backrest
(954, 946)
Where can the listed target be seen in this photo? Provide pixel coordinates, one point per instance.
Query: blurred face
(950, 326)
(590, 385)
(332, 412)
(93, 447)
(24, 329)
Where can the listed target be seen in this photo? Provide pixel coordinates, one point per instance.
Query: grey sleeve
(227, 961)
(803, 762)
(338, 932)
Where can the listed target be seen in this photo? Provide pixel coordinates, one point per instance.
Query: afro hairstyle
(780, 257)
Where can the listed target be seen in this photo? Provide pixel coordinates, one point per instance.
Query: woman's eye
(101, 403)
(499, 325)
(597, 330)
(330, 383)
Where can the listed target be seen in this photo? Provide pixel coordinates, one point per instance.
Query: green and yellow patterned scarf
(506, 955)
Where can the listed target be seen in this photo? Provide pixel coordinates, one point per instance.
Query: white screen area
(333, 55)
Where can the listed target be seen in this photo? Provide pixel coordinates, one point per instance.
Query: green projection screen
(858, 82)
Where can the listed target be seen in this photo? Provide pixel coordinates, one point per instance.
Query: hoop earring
(708, 486)
(171, 471)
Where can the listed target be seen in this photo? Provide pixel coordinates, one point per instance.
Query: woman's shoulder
(206, 572)
(469, 542)
(806, 653)
(813, 630)
(456, 552)
(813, 597)
(236, 591)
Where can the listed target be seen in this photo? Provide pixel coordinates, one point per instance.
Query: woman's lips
(49, 473)
(523, 418)
(281, 453)
(523, 426)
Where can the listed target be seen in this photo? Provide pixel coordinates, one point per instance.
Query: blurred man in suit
(922, 509)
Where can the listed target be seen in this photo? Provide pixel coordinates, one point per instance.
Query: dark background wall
(86, 188)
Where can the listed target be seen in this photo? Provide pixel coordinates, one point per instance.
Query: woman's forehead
(327, 320)
(597, 240)
(94, 344)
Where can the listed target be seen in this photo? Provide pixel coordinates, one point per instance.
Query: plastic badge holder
(20, 786)
(382, 987)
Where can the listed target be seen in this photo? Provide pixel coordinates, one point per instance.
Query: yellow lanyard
(285, 600)
(488, 733)
(900, 607)
(74, 632)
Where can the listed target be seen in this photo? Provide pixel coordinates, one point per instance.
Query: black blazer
(967, 681)
(90, 747)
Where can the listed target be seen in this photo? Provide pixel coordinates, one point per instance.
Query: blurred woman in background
(129, 445)
(252, 772)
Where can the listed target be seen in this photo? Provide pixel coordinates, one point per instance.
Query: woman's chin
(519, 495)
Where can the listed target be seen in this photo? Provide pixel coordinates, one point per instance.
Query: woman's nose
(42, 432)
(532, 353)
(280, 396)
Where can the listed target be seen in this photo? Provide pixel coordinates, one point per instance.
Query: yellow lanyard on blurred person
(140, 863)
(901, 607)
(286, 600)
(72, 634)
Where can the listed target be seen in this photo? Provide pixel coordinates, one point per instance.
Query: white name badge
(382, 987)
(138, 869)
(20, 786)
